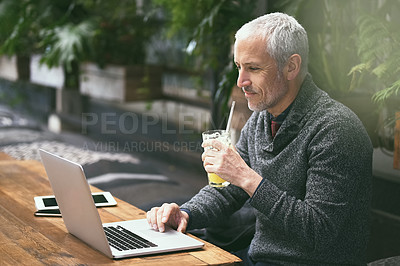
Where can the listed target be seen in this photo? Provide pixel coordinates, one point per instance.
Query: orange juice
(222, 136)
(216, 181)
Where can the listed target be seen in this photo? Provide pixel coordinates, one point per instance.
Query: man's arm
(210, 204)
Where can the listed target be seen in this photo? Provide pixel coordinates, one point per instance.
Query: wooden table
(29, 240)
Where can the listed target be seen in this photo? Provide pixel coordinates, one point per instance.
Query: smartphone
(101, 199)
(54, 212)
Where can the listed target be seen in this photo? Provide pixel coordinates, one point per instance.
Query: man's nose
(243, 79)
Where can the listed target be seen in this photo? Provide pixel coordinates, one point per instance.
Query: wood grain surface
(29, 240)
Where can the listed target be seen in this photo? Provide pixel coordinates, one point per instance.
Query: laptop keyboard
(123, 239)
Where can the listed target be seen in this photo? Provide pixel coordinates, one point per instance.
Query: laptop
(81, 218)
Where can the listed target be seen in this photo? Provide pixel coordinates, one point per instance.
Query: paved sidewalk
(138, 178)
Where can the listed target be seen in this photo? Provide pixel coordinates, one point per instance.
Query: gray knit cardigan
(312, 206)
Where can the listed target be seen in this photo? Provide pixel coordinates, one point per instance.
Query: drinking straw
(228, 126)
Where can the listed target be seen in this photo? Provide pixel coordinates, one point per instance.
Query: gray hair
(284, 37)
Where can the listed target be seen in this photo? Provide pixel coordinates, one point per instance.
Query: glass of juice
(224, 137)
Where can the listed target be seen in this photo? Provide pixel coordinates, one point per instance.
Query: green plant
(52, 28)
(18, 28)
(209, 27)
(71, 31)
(105, 32)
(121, 31)
(379, 50)
(378, 47)
(24, 22)
(66, 45)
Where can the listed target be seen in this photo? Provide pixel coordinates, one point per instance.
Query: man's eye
(254, 68)
(238, 67)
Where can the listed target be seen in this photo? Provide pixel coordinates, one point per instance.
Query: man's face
(263, 86)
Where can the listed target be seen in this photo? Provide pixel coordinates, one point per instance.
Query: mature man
(303, 159)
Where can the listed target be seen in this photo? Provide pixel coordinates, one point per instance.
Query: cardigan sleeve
(212, 206)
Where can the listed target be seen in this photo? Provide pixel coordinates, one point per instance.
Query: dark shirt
(276, 122)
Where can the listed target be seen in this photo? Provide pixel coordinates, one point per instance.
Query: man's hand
(170, 215)
(226, 162)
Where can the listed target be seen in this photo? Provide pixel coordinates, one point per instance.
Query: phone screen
(51, 202)
(99, 199)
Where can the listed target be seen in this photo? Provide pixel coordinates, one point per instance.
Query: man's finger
(160, 224)
(214, 144)
(182, 226)
(183, 221)
(166, 214)
(151, 217)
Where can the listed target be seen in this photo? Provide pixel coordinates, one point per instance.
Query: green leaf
(66, 44)
(386, 93)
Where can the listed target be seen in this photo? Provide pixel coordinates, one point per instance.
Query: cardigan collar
(308, 94)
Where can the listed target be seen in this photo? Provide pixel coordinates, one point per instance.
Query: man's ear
(293, 66)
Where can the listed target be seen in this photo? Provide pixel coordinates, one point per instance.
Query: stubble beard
(276, 90)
